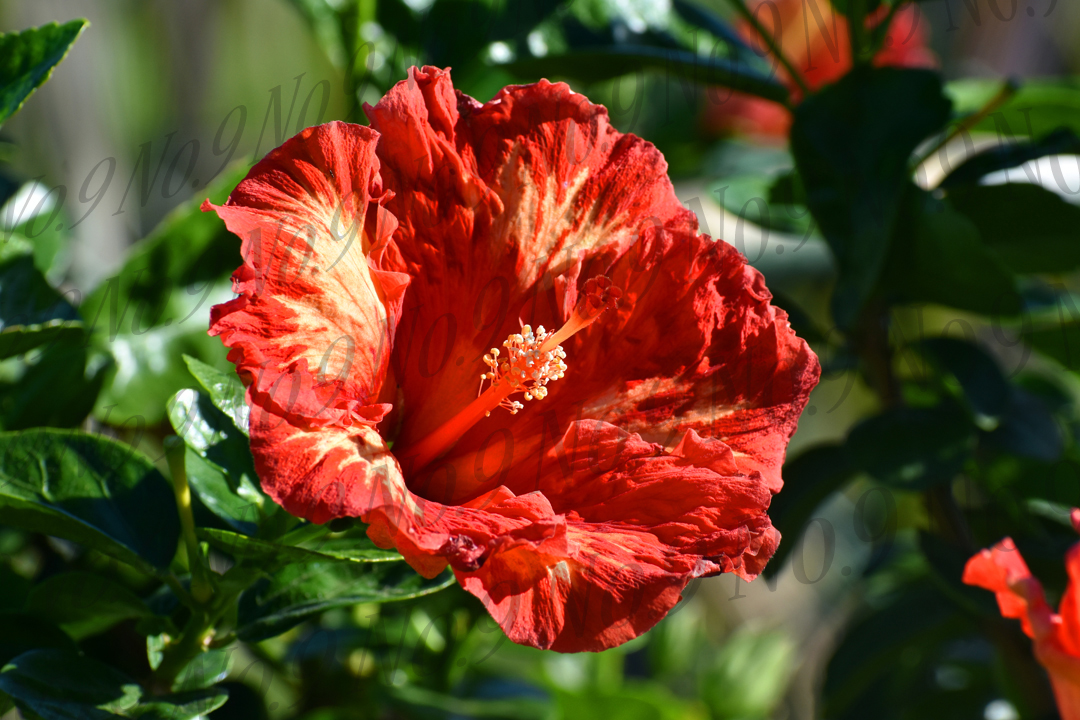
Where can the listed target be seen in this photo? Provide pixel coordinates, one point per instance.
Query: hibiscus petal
(1019, 595)
(608, 591)
(641, 523)
(321, 288)
(999, 570)
(699, 347)
(1069, 608)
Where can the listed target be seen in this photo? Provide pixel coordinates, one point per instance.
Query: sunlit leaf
(1039, 107)
(225, 390)
(267, 555)
(219, 463)
(60, 685)
(27, 59)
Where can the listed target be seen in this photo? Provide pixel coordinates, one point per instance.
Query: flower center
(527, 367)
(532, 360)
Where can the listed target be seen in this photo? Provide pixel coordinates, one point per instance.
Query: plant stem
(179, 591)
(872, 339)
(1008, 89)
(201, 590)
(857, 31)
(193, 640)
(877, 36)
(770, 42)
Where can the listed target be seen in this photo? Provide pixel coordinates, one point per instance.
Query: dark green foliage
(60, 685)
(90, 490)
(852, 144)
(301, 590)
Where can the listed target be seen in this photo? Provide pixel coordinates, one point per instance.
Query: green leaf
(984, 385)
(943, 261)
(1039, 107)
(56, 387)
(324, 22)
(21, 633)
(1011, 155)
(149, 367)
(454, 32)
(428, 703)
(46, 232)
(632, 702)
(808, 480)
(1061, 342)
(219, 463)
(268, 555)
(64, 685)
(852, 144)
(913, 448)
(596, 64)
(89, 490)
(751, 198)
(84, 603)
(1061, 514)
(190, 705)
(157, 307)
(32, 313)
(225, 390)
(947, 565)
(206, 669)
(912, 626)
(1030, 228)
(702, 18)
(749, 674)
(1027, 429)
(299, 591)
(19, 339)
(27, 59)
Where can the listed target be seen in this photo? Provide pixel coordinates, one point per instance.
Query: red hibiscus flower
(1019, 595)
(816, 39)
(492, 333)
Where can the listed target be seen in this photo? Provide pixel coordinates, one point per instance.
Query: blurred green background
(862, 616)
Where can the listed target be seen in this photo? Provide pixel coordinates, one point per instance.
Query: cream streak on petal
(320, 291)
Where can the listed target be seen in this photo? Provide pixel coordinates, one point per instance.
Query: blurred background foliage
(921, 227)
